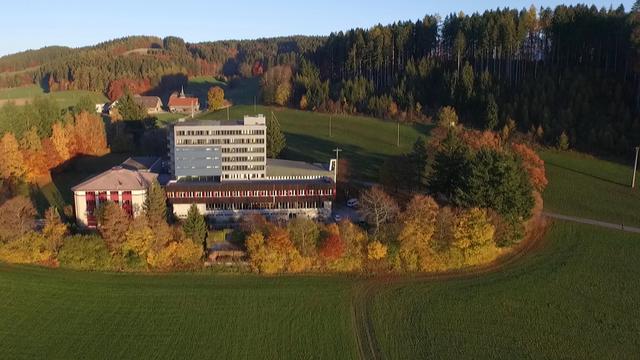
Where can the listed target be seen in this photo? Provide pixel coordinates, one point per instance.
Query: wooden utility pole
(398, 137)
(255, 108)
(635, 167)
(228, 113)
(335, 170)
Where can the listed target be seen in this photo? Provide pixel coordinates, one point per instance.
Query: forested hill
(571, 70)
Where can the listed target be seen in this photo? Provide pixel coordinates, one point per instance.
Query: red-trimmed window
(114, 196)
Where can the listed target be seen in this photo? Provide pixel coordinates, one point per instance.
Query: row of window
(247, 193)
(242, 158)
(219, 132)
(243, 176)
(266, 206)
(242, 167)
(243, 150)
(219, 141)
(197, 167)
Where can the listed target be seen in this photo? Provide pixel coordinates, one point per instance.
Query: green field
(581, 185)
(366, 142)
(576, 298)
(58, 314)
(63, 98)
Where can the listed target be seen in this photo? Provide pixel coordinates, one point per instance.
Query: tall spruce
(155, 204)
(450, 167)
(276, 141)
(195, 226)
(417, 163)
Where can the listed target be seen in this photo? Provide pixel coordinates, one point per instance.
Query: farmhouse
(126, 185)
(152, 104)
(221, 166)
(180, 103)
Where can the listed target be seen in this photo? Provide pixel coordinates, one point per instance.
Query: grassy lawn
(59, 314)
(576, 298)
(63, 98)
(366, 142)
(581, 185)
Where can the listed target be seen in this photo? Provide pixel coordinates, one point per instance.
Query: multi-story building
(125, 185)
(222, 167)
(219, 150)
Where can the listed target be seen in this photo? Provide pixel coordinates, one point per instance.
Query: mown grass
(576, 298)
(60, 314)
(63, 98)
(581, 185)
(366, 142)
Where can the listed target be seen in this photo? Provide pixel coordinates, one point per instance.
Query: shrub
(85, 252)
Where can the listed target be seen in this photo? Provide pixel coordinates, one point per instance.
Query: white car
(337, 218)
(352, 203)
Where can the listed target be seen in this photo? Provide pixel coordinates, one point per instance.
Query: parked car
(352, 203)
(337, 218)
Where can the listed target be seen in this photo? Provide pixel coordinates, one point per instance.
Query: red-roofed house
(179, 103)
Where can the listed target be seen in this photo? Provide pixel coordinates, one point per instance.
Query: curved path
(368, 347)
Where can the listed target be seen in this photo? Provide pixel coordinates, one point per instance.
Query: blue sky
(31, 24)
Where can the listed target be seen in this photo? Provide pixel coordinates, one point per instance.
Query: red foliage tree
(117, 87)
(332, 248)
(257, 69)
(533, 164)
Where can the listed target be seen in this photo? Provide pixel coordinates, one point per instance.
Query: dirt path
(593, 222)
(361, 305)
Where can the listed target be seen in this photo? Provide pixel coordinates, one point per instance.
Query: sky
(32, 24)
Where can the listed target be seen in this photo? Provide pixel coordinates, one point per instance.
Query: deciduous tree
(215, 98)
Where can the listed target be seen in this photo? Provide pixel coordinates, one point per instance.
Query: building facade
(222, 167)
(180, 103)
(219, 150)
(125, 185)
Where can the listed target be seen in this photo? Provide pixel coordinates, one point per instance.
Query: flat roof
(280, 168)
(141, 163)
(205, 122)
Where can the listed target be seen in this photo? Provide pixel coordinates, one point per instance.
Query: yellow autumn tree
(418, 227)
(473, 236)
(138, 238)
(12, 164)
(376, 250)
(60, 140)
(90, 134)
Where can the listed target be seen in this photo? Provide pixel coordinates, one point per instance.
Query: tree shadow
(585, 174)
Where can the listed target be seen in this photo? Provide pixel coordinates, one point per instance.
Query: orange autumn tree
(90, 134)
(12, 164)
(533, 164)
(332, 248)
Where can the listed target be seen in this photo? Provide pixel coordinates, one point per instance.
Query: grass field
(57, 314)
(64, 99)
(582, 185)
(366, 142)
(576, 298)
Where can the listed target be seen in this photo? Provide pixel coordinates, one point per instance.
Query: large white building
(125, 185)
(219, 150)
(222, 167)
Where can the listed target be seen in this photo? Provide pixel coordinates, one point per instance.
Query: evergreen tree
(129, 109)
(276, 141)
(497, 181)
(417, 163)
(155, 204)
(491, 113)
(450, 167)
(195, 226)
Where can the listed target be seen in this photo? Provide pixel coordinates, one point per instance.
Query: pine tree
(276, 141)
(129, 109)
(195, 226)
(418, 163)
(155, 204)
